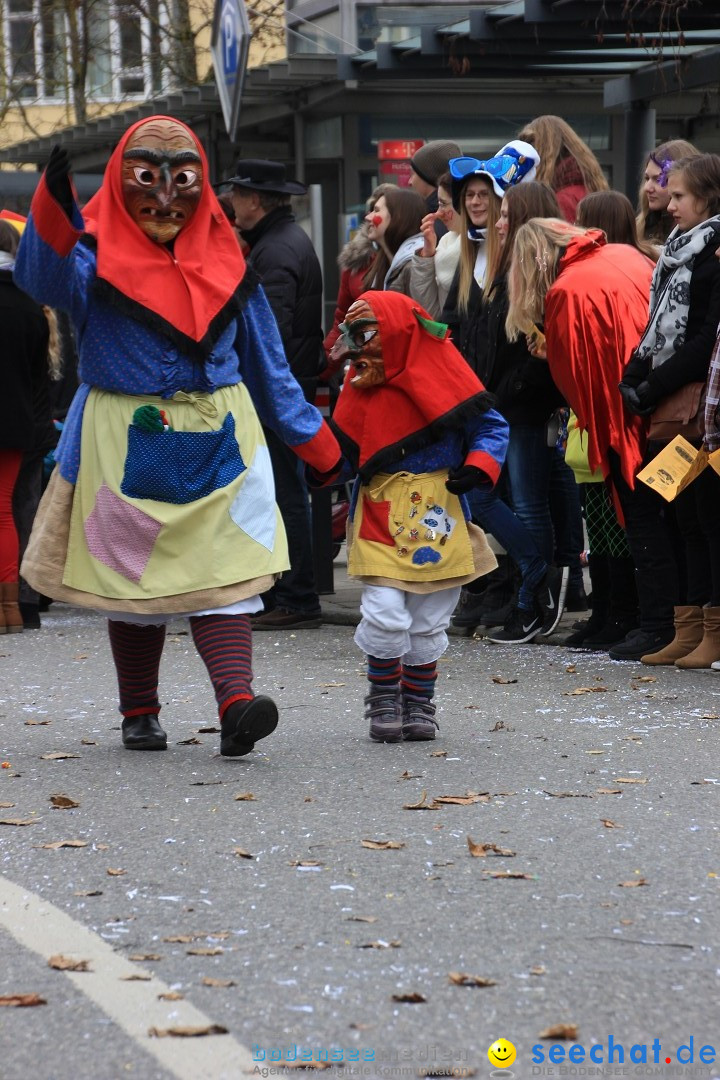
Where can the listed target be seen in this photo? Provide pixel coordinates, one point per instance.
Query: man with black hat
(428, 164)
(282, 255)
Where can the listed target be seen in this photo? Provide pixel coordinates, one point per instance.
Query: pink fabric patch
(120, 535)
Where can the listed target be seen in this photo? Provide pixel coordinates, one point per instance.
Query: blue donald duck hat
(515, 162)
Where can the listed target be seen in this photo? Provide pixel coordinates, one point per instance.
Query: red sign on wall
(398, 149)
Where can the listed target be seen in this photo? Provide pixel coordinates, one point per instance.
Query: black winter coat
(27, 421)
(690, 363)
(469, 330)
(521, 383)
(283, 257)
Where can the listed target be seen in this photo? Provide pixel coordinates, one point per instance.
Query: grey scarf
(670, 291)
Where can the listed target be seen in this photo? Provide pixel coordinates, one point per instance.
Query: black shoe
(30, 614)
(244, 723)
(550, 597)
(283, 619)
(143, 733)
(576, 600)
(639, 643)
(521, 626)
(614, 630)
(469, 610)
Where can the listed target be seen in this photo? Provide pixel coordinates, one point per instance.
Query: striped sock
(383, 673)
(224, 643)
(419, 679)
(136, 651)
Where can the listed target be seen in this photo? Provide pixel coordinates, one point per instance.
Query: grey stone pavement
(320, 898)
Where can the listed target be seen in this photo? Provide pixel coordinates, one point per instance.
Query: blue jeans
(496, 517)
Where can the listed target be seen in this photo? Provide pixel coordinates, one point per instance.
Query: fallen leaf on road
(538, 970)
(567, 794)
(245, 796)
(143, 957)
(80, 656)
(644, 678)
(63, 802)
(192, 741)
(187, 1032)
(610, 824)
(629, 780)
(502, 682)
(305, 862)
(382, 845)
(88, 892)
(171, 995)
(6, 805)
(55, 845)
(439, 753)
(242, 853)
(361, 918)
(37, 723)
(410, 999)
(632, 738)
(209, 981)
(423, 804)
(136, 978)
(205, 950)
(19, 821)
(88, 742)
(634, 884)
(403, 776)
(20, 1001)
(467, 799)
(205, 783)
(608, 791)
(58, 755)
(209, 731)
(585, 690)
(64, 963)
(331, 684)
(479, 851)
(500, 725)
(115, 871)
(560, 1031)
(459, 978)
(508, 874)
(571, 669)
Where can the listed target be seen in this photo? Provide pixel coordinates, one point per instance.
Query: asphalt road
(246, 891)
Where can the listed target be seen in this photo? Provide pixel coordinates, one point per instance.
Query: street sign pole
(230, 46)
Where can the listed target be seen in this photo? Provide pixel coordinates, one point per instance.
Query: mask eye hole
(185, 178)
(144, 176)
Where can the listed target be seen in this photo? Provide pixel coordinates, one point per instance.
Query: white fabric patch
(253, 509)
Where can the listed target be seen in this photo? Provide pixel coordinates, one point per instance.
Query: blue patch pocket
(180, 466)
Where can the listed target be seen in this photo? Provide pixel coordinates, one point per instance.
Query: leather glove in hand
(57, 178)
(634, 402)
(465, 478)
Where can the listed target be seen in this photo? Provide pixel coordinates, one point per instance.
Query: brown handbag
(681, 413)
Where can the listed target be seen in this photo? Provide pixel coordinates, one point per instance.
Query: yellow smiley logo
(502, 1053)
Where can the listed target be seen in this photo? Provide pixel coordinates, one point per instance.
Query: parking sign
(230, 45)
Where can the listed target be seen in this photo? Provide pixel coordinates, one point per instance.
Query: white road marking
(46, 930)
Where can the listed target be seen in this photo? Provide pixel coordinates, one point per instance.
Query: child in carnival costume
(163, 502)
(417, 426)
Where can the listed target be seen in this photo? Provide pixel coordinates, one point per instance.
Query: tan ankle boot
(709, 648)
(11, 611)
(688, 635)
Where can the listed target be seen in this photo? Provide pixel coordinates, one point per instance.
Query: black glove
(57, 178)
(636, 399)
(320, 479)
(465, 478)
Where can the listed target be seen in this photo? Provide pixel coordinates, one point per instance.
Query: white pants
(403, 624)
(241, 607)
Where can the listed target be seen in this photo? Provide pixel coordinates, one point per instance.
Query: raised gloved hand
(465, 478)
(636, 398)
(57, 179)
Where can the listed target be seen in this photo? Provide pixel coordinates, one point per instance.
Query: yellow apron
(409, 527)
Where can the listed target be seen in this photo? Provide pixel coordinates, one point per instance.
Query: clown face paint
(359, 342)
(162, 178)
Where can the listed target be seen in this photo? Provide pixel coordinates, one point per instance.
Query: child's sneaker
(383, 710)
(418, 719)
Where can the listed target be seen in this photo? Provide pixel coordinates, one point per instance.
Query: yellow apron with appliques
(409, 527)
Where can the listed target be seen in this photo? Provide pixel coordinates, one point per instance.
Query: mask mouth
(157, 212)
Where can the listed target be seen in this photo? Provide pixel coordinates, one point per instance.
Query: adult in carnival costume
(163, 503)
(417, 427)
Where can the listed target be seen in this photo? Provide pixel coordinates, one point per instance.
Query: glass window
(22, 52)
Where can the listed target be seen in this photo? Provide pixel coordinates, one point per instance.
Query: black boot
(244, 722)
(143, 733)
